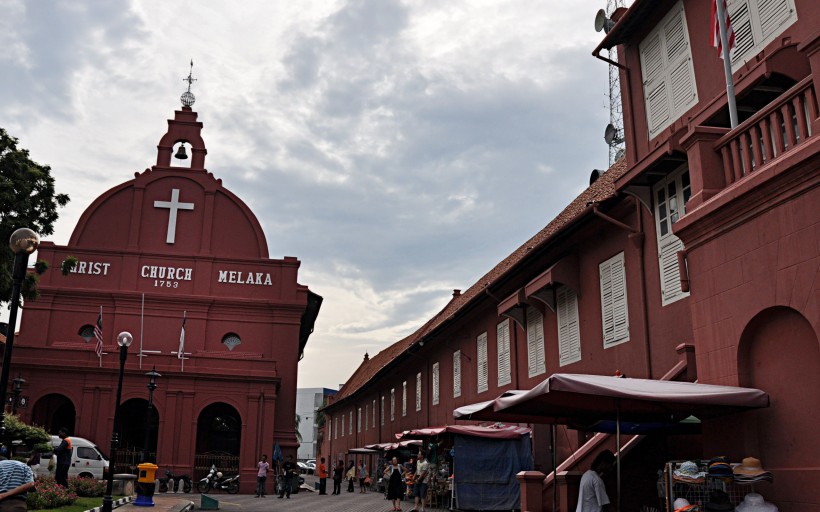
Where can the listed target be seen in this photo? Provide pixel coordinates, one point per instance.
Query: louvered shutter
(350, 424)
(393, 404)
(614, 314)
(373, 423)
(404, 398)
(435, 384)
(483, 364)
(757, 23)
(535, 342)
(502, 333)
(742, 26)
(418, 391)
(335, 427)
(569, 334)
(670, 274)
(654, 81)
(457, 374)
(359, 421)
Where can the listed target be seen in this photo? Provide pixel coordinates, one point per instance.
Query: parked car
(87, 460)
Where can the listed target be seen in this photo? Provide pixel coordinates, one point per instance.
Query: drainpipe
(638, 239)
(683, 270)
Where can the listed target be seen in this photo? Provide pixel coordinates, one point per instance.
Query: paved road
(305, 501)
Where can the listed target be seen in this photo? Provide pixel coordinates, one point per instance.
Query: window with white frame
(757, 23)
(335, 427)
(418, 391)
(381, 411)
(670, 195)
(359, 421)
(393, 404)
(614, 310)
(343, 425)
(435, 383)
(457, 374)
(373, 424)
(502, 337)
(366, 416)
(350, 424)
(536, 365)
(569, 334)
(404, 398)
(667, 71)
(482, 365)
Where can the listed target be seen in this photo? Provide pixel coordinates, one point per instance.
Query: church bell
(181, 154)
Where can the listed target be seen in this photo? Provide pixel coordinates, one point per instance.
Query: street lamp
(124, 340)
(22, 242)
(18, 388)
(152, 385)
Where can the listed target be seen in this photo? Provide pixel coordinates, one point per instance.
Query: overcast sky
(399, 149)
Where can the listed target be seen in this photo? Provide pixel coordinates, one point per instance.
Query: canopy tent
(495, 431)
(484, 410)
(363, 451)
(393, 446)
(571, 399)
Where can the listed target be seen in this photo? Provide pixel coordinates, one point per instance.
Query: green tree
(32, 436)
(27, 200)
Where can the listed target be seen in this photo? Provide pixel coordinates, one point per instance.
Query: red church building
(695, 258)
(168, 250)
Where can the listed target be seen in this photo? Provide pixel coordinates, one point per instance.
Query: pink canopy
(393, 446)
(495, 431)
(570, 398)
(484, 410)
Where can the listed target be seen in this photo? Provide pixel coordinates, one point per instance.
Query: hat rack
(700, 492)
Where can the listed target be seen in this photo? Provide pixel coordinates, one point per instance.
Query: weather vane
(188, 97)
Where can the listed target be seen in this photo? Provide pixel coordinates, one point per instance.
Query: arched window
(231, 341)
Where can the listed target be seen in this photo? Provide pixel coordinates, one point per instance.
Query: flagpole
(142, 317)
(727, 63)
(99, 354)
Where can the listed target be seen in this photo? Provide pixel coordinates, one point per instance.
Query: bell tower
(183, 129)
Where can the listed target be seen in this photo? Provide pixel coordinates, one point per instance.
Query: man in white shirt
(592, 496)
(420, 482)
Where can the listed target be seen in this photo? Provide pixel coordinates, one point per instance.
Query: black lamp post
(152, 385)
(124, 341)
(23, 242)
(18, 388)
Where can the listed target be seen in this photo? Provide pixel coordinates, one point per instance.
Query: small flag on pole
(98, 334)
(181, 352)
(730, 33)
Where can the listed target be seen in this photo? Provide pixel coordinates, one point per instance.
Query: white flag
(181, 352)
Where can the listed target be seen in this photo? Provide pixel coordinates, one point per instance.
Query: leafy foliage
(47, 494)
(27, 200)
(31, 435)
(87, 487)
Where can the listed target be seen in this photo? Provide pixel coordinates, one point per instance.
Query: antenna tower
(616, 114)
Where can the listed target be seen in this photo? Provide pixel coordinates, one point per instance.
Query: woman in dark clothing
(338, 471)
(395, 483)
(350, 475)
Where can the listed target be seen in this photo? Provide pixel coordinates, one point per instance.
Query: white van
(87, 460)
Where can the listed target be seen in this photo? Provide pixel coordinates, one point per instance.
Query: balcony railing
(774, 130)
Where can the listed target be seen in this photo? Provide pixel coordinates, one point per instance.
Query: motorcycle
(216, 480)
(175, 480)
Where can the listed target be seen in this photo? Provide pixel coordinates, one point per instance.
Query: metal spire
(188, 97)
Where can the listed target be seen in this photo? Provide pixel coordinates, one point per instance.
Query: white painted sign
(242, 277)
(94, 268)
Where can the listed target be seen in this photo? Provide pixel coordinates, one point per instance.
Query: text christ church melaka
(172, 243)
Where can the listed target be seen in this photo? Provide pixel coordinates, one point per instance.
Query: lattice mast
(616, 114)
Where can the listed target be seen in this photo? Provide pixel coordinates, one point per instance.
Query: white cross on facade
(174, 205)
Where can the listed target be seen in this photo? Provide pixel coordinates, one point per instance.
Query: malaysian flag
(730, 33)
(98, 334)
(181, 352)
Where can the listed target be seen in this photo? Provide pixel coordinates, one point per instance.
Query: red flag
(730, 33)
(98, 335)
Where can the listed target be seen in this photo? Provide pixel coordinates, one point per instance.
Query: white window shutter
(457, 374)
(359, 421)
(435, 383)
(393, 404)
(373, 423)
(535, 342)
(381, 411)
(614, 314)
(404, 398)
(502, 333)
(418, 391)
(569, 334)
(742, 26)
(350, 424)
(773, 14)
(757, 23)
(483, 369)
(670, 274)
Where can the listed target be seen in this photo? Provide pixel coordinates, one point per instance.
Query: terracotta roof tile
(601, 190)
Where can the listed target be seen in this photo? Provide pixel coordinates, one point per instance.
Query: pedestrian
(16, 479)
(420, 480)
(592, 495)
(64, 452)
(394, 474)
(338, 473)
(362, 477)
(261, 475)
(288, 470)
(322, 476)
(350, 475)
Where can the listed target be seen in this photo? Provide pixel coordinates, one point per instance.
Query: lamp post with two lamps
(124, 340)
(23, 242)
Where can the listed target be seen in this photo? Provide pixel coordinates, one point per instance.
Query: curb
(185, 508)
(118, 503)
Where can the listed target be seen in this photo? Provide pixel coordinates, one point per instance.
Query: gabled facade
(695, 257)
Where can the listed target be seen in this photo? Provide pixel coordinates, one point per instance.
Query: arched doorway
(779, 354)
(218, 439)
(134, 419)
(53, 412)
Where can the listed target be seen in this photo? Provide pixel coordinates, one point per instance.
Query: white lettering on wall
(166, 277)
(93, 268)
(242, 277)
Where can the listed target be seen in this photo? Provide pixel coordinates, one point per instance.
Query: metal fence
(128, 459)
(226, 463)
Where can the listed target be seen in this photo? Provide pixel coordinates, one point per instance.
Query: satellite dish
(611, 135)
(620, 154)
(602, 22)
